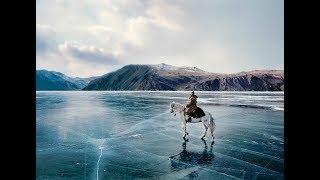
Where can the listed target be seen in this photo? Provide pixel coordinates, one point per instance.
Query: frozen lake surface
(132, 135)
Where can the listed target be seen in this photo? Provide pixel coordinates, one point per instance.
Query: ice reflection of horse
(203, 158)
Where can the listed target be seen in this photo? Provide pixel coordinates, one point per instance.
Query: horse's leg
(185, 124)
(212, 143)
(184, 129)
(205, 133)
(205, 144)
(213, 126)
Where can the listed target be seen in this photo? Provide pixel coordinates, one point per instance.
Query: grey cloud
(216, 35)
(89, 54)
(45, 39)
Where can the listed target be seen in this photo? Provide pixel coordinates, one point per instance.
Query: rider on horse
(191, 108)
(192, 105)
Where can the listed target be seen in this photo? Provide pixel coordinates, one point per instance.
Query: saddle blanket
(198, 113)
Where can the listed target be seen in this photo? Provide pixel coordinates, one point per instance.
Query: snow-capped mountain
(167, 77)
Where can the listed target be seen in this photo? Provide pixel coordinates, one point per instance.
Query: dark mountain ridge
(55, 81)
(166, 77)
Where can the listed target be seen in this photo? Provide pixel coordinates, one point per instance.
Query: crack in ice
(98, 162)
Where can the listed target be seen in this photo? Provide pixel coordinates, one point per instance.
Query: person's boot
(188, 119)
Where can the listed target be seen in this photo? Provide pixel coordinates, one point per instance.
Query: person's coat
(192, 105)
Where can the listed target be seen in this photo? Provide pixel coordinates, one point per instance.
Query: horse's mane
(177, 104)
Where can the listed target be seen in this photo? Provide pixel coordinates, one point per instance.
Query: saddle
(198, 113)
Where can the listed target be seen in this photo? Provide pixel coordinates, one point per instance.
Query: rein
(180, 107)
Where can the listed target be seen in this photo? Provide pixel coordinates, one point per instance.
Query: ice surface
(132, 135)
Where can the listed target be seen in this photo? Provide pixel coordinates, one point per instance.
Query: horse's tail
(212, 125)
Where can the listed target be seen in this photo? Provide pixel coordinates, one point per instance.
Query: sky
(84, 38)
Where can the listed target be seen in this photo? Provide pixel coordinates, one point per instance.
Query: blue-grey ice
(132, 135)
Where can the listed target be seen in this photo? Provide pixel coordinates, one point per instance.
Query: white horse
(206, 120)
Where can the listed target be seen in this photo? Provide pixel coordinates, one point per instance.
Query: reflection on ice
(192, 157)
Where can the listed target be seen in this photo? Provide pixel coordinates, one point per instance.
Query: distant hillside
(167, 77)
(55, 81)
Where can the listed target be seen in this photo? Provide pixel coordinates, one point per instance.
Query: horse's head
(172, 108)
(176, 108)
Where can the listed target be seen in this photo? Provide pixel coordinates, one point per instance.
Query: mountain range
(164, 77)
(56, 81)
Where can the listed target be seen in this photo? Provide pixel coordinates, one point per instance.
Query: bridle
(172, 109)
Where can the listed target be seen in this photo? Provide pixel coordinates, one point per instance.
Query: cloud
(45, 38)
(70, 57)
(165, 15)
(71, 66)
(218, 36)
(89, 54)
(99, 30)
(76, 59)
